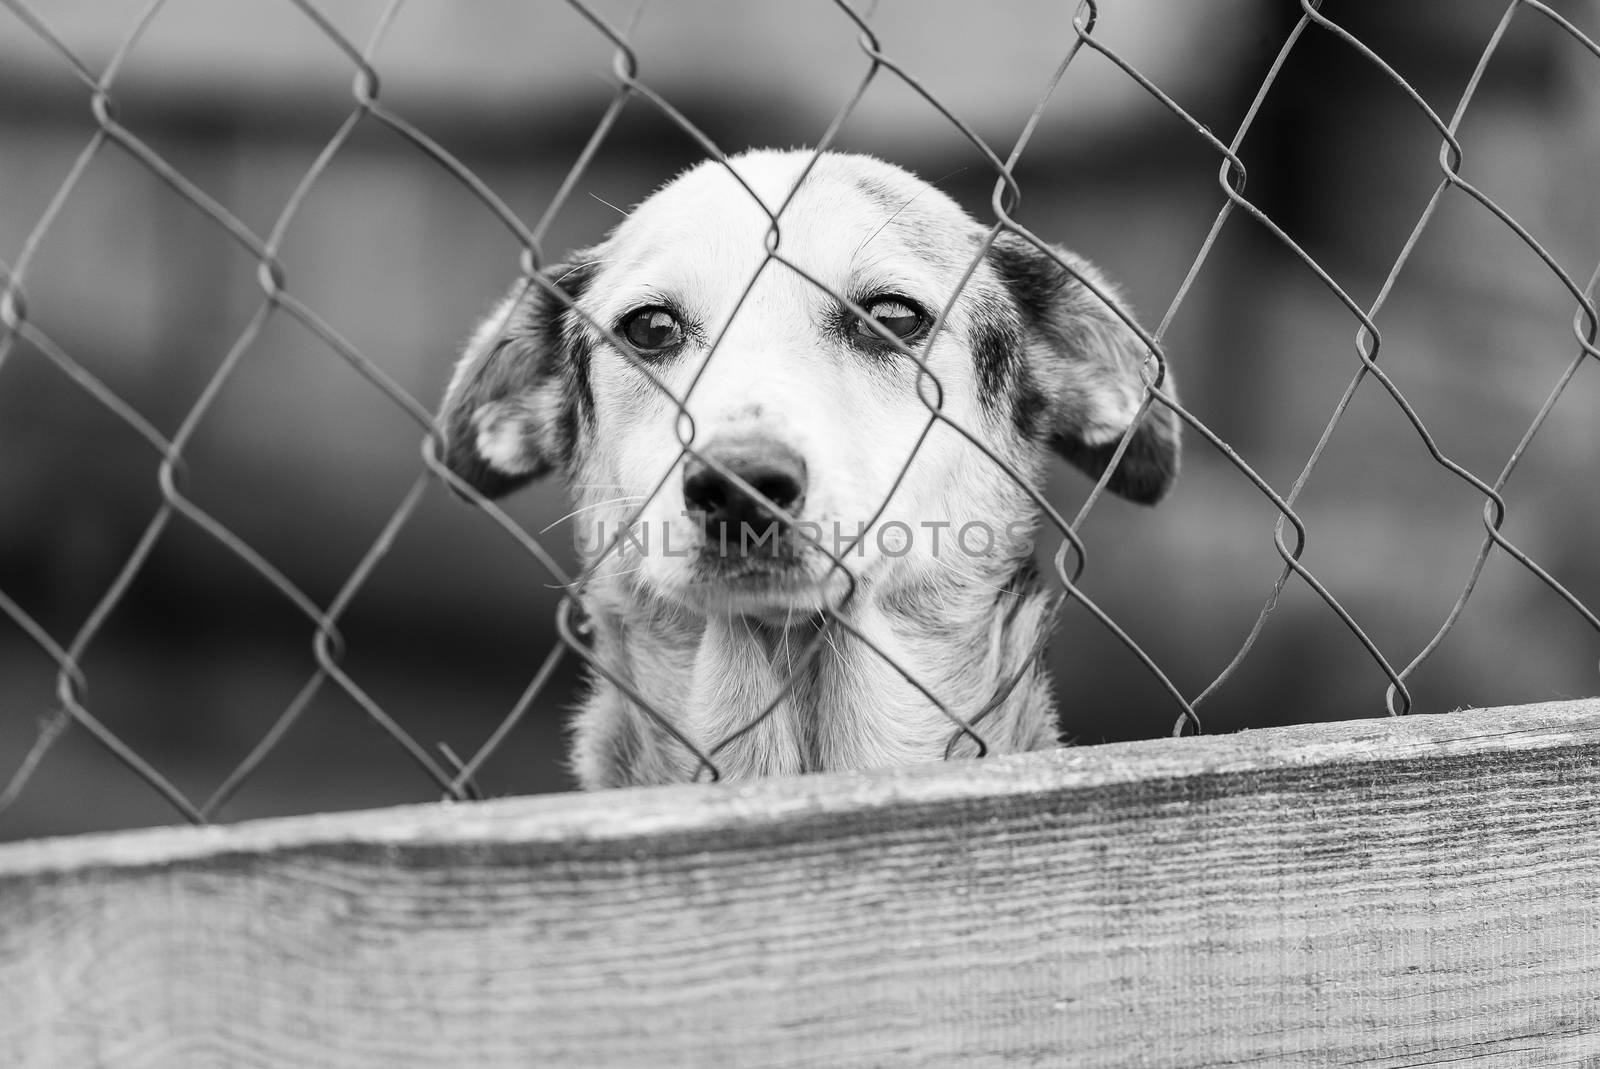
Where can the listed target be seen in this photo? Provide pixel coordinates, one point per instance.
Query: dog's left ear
(511, 410)
(1086, 363)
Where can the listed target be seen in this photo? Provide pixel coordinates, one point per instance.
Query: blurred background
(305, 461)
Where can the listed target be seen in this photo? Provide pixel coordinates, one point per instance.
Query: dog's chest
(809, 700)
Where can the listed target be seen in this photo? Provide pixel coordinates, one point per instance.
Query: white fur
(500, 439)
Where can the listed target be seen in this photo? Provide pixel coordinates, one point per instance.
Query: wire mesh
(454, 776)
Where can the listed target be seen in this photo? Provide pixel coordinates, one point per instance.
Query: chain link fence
(169, 445)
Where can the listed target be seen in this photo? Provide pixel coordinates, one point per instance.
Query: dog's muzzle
(734, 521)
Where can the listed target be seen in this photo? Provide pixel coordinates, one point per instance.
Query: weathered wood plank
(1399, 892)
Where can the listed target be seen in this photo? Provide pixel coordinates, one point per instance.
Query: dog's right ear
(1086, 365)
(511, 411)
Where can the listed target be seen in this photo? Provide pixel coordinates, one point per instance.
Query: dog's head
(812, 435)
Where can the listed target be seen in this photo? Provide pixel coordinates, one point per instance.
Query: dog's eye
(896, 315)
(652, 329)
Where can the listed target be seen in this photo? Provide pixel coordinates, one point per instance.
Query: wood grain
(1422, 891)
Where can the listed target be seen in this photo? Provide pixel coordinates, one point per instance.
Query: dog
(838, 611)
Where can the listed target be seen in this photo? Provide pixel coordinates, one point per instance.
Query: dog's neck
(863, 693)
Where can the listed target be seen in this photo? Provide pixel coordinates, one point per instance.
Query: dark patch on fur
(1037, 286)
(1035, 280)
(1030, 408)
(1147, 469)
(995, 343)
(880, 193)
(569, 360)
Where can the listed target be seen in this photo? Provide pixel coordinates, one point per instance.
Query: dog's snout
(771, 468)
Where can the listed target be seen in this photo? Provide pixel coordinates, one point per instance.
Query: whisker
(827, 636)
(599, 575)
(574, 268)
(971, 578)
(608, 204)
(900, 209)
(587, 508)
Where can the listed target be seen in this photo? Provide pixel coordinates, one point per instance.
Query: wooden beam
(1423, 891)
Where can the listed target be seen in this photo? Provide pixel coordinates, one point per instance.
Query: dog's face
(813, 437)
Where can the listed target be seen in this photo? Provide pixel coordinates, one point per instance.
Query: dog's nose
(771, 468)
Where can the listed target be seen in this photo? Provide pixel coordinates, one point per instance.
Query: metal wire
(454, 777)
